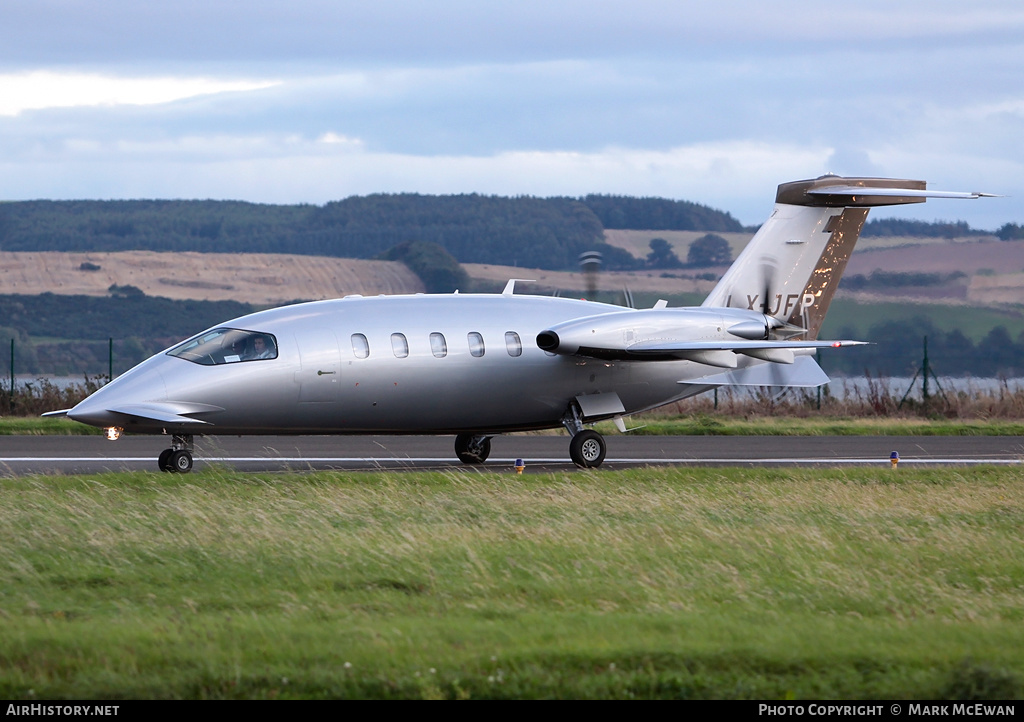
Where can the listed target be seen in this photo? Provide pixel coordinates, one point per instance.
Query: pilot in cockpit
(261, 348)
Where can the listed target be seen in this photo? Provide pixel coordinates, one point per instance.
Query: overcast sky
(311, 101)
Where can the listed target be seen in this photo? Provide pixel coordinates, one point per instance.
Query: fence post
(817, 358)
(924, 365)
(10, 409)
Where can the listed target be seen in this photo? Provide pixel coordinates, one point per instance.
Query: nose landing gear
(178, 458)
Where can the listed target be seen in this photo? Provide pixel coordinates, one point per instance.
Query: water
(846, 387)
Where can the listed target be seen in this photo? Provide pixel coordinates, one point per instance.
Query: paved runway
(21, 455)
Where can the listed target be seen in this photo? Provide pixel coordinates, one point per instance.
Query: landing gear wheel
(181, 462)
(472, 449)
(164, 460)
(587, 449)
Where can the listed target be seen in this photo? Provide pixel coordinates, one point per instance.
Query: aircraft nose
(93, 412)
(142, 383)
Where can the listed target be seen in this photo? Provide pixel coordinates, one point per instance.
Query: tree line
(547, 233)
(936, 229)
(897, 349)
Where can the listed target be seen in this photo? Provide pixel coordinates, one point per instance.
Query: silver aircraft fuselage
(318, 384)
(479, 365)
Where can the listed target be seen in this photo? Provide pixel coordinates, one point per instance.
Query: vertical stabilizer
(791, 268)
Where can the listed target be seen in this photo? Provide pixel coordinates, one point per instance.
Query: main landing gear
(587, 448)
(178, 458)
(472, 449)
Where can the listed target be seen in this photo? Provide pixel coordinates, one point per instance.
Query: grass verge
(698, 424)
(723, 425)
(28, 426)
(678, 583)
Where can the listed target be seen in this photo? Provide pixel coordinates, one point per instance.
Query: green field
(651, 583)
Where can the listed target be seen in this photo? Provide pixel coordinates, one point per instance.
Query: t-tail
(791, 268)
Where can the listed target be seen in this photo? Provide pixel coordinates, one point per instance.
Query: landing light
(114, 432)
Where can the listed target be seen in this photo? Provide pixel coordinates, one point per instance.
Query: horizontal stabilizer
(852, 192)
(803, 372)
(56, 414)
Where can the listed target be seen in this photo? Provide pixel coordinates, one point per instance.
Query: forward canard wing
(163, 413)
(173, 413)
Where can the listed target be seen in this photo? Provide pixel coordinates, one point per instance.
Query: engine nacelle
(610, 335)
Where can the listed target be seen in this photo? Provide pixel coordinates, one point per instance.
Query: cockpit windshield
(226, 346)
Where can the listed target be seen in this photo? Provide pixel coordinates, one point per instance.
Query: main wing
(725, 352)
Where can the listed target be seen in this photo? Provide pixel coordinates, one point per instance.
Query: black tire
(469, 453)
(587, 449)
(164, 460)
(181, 462)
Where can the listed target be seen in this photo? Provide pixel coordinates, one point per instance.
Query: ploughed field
(261, 279)
(993, 272)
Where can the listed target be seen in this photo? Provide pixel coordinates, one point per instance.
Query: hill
(525, 231)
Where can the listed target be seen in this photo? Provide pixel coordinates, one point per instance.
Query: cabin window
(513, 343)
(226, 346)
(360, 346)
(476, 344)
(438, 346)
(400, 345)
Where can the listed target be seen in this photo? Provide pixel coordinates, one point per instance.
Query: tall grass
(686, 583)
(32, 398)
(874, 398)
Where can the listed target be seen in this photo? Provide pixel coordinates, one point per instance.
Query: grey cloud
(386, 32)
(884, 87)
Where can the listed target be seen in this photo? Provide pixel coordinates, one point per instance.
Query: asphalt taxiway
(25, 455)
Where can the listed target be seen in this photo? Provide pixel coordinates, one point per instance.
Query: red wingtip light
(836, 344)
